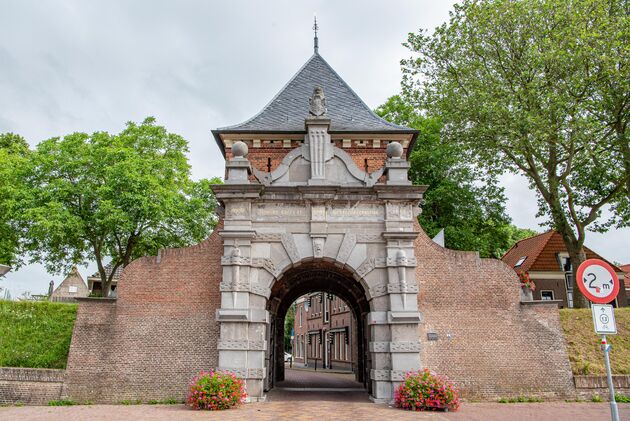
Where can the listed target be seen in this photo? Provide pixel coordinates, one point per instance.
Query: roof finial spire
(315, 40)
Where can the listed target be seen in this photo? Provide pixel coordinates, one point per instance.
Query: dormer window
(565, 262)
(520, 261)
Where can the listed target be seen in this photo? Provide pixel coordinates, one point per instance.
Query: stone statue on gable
(318, 103)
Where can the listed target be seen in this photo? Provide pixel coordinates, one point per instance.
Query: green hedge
(35, 334)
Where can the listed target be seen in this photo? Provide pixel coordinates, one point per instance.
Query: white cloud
(195, 65)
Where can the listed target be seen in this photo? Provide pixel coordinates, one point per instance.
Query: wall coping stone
(543, 302)
(100, 299)
(620, 381)
(52, 375)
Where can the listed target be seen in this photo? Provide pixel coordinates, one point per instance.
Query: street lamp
(4, 269)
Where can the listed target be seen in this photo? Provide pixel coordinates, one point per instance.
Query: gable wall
(156, 336)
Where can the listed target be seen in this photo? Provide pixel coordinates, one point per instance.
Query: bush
(215, 390)
(422, 390)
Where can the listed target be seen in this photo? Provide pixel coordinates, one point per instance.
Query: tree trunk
(105, 286)
(577, 256)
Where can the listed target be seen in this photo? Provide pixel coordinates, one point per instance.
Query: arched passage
(305, 278)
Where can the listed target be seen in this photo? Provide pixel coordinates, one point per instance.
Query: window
(546, 295)
(520, 261)
(72, 288)
(326, 310)
(565, 262)
(300, 316)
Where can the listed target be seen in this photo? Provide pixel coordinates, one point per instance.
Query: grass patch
(583, 343)
(131, 402)
(521, 399)
(35, 334)
(63, 402)
(622, 398)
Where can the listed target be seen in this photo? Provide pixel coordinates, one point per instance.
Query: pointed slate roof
(288, 109)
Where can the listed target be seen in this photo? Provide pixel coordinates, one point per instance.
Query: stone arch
(315, 276)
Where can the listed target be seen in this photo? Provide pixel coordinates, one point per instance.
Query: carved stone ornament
(317, 103)
(318, 246)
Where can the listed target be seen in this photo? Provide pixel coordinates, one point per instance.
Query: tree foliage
(289, 321)
(541, 88)
(14, 153)
(100, 196)
(470, 210)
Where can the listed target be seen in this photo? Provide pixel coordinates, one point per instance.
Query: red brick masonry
(161, 330)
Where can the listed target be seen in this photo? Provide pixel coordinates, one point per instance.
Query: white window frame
(326, 309)
(520, 262)
(547, 290)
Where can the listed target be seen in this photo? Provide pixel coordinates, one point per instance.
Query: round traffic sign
(597, 280)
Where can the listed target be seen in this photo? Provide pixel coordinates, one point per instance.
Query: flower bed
(215, 390)
(424, 391)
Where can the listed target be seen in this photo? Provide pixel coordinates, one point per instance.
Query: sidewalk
(326, 408)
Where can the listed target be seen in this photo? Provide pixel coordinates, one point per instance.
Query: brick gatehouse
(316, 198)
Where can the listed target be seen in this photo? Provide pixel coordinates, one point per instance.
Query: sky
(89, 66)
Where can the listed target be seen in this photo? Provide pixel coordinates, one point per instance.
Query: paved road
(328, 407)
(320, 379)
(307, 395)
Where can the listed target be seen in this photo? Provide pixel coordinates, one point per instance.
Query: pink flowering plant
(425, 391)
(215, 390)
(526, 281)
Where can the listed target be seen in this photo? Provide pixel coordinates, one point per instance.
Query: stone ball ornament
(240, 149)
(394, 150)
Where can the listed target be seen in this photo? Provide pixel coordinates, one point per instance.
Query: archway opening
(322, 285)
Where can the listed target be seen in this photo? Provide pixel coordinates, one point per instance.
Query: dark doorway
(323, 278)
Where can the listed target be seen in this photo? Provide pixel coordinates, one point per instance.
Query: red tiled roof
(626, 279)
(542, 253)
(529, 248)
(108, 270)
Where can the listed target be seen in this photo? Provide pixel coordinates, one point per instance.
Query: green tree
(14, 153)
(289, 320)
(471, 213)
(122, 196)
(540, 88)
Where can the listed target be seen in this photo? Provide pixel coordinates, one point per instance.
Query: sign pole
(614, 410)
(597, 280)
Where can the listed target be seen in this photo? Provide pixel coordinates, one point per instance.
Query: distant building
(546, 260)
(626, 281)
(70, 288)
(324, 332)
(94, 280)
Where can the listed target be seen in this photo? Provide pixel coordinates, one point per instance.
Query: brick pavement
(320, 410)
(307, 378)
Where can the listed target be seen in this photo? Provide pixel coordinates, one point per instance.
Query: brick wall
(270, 153)
(30, 386)
(488, 343)
(158, 333)
(589, 386)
